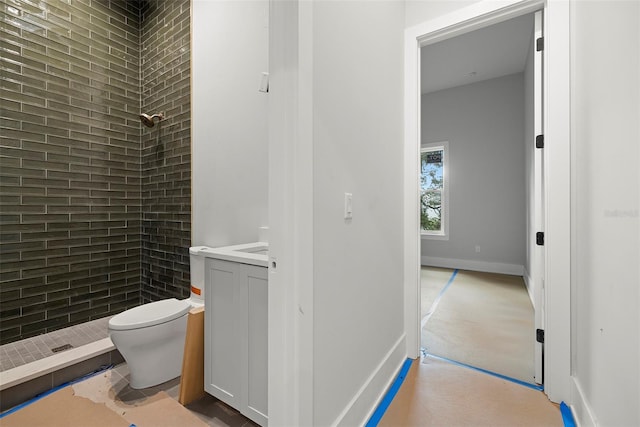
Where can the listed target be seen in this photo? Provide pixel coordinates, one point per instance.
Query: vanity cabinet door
(236, 336)
(223, 331)
(256, 344)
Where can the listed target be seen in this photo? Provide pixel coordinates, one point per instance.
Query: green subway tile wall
(94, 207)
(165, 69)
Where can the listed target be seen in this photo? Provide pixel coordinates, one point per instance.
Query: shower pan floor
(34, 365)
(39, 347)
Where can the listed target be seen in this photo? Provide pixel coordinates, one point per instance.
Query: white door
(538, 189)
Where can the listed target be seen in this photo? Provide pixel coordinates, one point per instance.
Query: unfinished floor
(106, 399)
(438, 393)
(434, 393)
(485, 320)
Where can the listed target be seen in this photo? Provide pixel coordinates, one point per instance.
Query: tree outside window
(432, 189)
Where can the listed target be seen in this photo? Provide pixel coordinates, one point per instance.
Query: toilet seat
(153, 313)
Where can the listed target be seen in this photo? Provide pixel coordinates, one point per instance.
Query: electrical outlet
(478, 249)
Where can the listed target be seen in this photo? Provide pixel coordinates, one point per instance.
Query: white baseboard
(465, 264)
(366, 400)
(582, 413)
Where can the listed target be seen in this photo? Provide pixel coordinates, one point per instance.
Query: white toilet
(151, 337)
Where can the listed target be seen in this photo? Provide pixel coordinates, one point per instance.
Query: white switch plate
(348, 206)
(264, 83)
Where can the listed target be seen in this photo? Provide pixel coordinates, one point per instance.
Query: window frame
(443, 234)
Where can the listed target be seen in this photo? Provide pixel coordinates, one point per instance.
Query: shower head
(148, 120)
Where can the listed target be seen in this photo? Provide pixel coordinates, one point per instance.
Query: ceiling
(487, 53)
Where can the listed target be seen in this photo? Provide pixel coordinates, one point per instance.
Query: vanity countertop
(255, 253)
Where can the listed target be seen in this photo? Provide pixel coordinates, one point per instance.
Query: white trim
(536, 252)
(478, 15)
(427, 236)
(412, 192)
(557, 169)
(471, 265)
(290, 335)
(374, 388)
(580, 408)
(473, 17)
(557, 162)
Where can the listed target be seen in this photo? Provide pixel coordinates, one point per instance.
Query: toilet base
(154, 354)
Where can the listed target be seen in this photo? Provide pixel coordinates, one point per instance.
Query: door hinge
(540, 335)
(540, 141)
(540, 238)
(539, 44)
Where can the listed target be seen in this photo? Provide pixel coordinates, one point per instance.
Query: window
(434, 190)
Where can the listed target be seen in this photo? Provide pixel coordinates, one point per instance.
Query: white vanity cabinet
(236, 336)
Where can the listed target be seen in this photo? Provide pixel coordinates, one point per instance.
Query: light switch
(264, 83)
(348, 205)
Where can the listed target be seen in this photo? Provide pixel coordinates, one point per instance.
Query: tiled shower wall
(165, 69)
(72, 180)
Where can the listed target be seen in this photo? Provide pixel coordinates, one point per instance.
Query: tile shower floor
(29, 350)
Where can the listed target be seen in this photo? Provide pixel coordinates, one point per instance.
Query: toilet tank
(197, 272)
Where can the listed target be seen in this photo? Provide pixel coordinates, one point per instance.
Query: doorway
(477, 94)
(556, 72)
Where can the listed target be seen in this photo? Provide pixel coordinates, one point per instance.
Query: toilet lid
(153, 313)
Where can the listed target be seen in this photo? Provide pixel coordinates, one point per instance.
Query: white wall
(419, 11)
(229, 121)
(336, 335)
(484, 124)
(357, 79)
(605, 185)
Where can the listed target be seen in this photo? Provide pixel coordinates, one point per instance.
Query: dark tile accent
(165, 259)
(115, 357)
(80, 369)
(13, 396)
(89, 202)
(65, 59)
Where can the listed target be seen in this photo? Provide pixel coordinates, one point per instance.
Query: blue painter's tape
(451, 279)
(388, 398)
(53, 390)
(485, 371)
(567, 415)
(435, 303)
